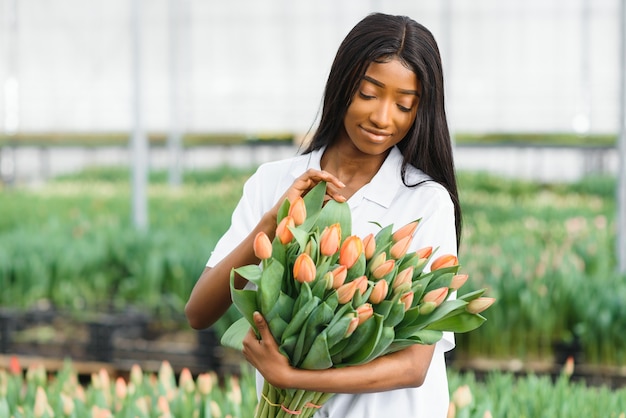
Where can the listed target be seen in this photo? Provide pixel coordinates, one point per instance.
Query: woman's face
(384, 107)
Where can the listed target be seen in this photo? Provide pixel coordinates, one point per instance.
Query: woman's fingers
(310, 178)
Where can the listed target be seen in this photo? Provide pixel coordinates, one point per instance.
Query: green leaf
(385, 340)
(335, 212)
(442, 311)
(283, 308)
(358, 269)
(277, 327)
(234, 335)
(442, 280)
(337, 329)
(395, 315)
(301, 236)
(245, 300)
(318, 357)
(462, 322)
(364, 333)
(250, 272)
(314, 199)
(269, 286)
(319, 317)
(365, 346)
(472, 295)
(283, 210)
(297, 322)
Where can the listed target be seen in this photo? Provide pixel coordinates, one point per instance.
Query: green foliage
(545, 251)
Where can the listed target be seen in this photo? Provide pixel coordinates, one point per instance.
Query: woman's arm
(406, 368)
(210, 297)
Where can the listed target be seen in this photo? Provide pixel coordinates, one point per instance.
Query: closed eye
(404, 109)
(366, 96)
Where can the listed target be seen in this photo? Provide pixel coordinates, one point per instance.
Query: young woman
(383, 146)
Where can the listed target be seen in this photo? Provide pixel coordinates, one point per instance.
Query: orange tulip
(345, 292)
(458, 281)
(369, 245)
(282, 230)
(297, 210)
(364, 312)
(339, 276)
(205, 383)
(406, 231)
(407, 300)
(304, 269)
(384, 269)
(351, 250)
(399, 249)
(478, 305)
(379, 292)
(405, 276)
(424, 252)
(437, 296)
(447, 260)
(262, 246)
(330, 240)
(361, 284)
(354, 323)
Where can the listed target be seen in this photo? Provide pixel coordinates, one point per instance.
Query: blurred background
(128, 127)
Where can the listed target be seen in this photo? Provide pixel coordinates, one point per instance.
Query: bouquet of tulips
(332, 299)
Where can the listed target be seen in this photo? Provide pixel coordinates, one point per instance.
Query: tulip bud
(364, 312)
(262, 246)
(378, 260)
(235, 390)
(204, 383)
(402, 288)
(41, 402)
(330, 240)
(185, 381)
(427, 307)
(369, 246)
(163, 406)
(487, 414)
(379, 292)
(216, 411)
(68, 404)
(120, 388)
(447, 260)
(405, 276)
(399, 249)
(451, 410)
(328, 279)
(354, 323)
(407, 300)
(136, 375)
(345, 292)
(462, 396)
(14, 366)
(568, 368)
(437, 296)
(478, 305)
(406, 231)
(351, 250)
(297, 210)
(384, 269)
(304, 269)
(458, 281)
(283, 232)
(361, 284)
(339, 276)
(424, 252)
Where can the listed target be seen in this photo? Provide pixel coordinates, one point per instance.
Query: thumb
(260, 323)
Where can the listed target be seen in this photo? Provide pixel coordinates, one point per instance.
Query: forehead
(393, 73)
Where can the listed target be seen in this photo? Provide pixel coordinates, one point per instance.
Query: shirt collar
(382, 188)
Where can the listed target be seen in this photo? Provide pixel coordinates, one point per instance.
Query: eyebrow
(382, 85)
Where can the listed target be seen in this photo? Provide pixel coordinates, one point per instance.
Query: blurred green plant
(545, 251)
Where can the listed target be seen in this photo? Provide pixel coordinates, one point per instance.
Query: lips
(376, 134)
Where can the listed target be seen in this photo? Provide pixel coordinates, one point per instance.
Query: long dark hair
(380, 37)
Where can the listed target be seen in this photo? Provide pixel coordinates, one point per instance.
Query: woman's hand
(263, 354)
(309, 179)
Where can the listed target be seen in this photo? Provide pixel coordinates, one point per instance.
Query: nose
(381, 114)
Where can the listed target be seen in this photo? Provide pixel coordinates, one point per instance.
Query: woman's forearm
(406, 368)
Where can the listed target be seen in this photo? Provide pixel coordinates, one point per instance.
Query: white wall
(260, 66)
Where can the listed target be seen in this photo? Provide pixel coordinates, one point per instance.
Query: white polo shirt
(385, 200)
